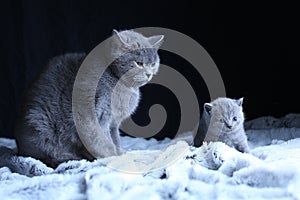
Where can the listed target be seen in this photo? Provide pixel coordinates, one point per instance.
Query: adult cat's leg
(115, 135)
(108, 146)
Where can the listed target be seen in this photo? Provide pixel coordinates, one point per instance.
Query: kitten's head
(136, 56)
(226, 112)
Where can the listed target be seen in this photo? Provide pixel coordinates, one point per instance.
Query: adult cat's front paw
(111, 150)
(121, 151)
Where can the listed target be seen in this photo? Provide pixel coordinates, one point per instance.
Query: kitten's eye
(140, 64)
(153, 64)
(221, 120)
(235, 119)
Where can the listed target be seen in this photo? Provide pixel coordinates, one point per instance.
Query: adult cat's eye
(153, 64)
(235, 119)
(140, 64)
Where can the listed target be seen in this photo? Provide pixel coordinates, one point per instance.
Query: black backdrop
(255, 46)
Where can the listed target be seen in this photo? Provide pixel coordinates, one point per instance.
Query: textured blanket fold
(164, 170)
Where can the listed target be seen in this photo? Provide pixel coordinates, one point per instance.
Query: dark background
(255, 46)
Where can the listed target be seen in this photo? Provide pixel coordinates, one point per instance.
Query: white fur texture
(213, 171)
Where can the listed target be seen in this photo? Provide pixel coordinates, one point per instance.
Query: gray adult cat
(223, 120)
(46, 129)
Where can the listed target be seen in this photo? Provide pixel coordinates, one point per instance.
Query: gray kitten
(223, 120)
(46, 129)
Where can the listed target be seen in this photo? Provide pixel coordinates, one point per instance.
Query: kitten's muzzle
(228, 126)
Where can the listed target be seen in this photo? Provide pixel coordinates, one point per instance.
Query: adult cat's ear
(208, 107)
(120, 37)
(156, 40)
(240, 101)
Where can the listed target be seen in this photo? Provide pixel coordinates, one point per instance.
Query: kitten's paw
(217, 157)
(243, 148)
(217, 153)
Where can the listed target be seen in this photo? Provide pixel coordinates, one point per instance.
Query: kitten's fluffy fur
(223, 120)
(46, 129)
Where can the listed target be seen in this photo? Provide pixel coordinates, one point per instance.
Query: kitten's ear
(208, 107)
(240, 101)
(120, 37)
(156, 40)
(115, 31)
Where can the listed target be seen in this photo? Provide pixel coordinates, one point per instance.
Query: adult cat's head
(226, 113)
(136, 56)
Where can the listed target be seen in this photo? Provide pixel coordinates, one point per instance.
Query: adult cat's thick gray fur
(223, 120)
(46, 129)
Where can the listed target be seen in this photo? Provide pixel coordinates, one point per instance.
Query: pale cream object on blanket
(145, 161)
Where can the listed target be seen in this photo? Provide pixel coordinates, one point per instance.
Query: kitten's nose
(228, 126)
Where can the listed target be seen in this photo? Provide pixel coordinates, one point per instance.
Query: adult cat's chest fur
(124, 102)
(115, 100)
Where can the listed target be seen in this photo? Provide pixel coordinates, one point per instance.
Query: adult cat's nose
(148, 75)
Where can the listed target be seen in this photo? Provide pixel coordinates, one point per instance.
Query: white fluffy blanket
(148, 171)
